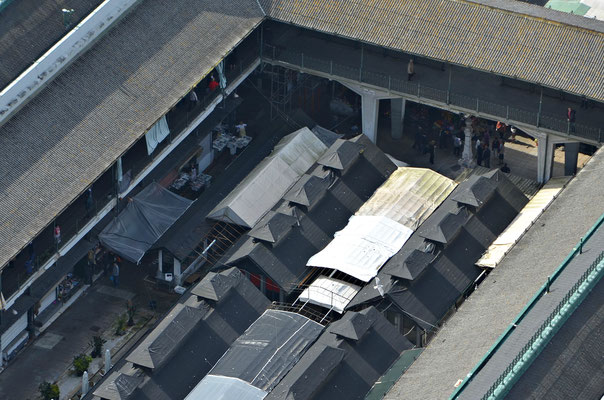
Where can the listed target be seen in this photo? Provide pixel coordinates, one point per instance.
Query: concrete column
(370, 105)
(571, 156)
(177, 273)
(160, 264)
(545, 157)
(467, 158)
(397, 116)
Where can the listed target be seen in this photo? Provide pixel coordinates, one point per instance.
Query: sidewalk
(50, 355)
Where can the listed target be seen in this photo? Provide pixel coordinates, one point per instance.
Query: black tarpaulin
(143, 222)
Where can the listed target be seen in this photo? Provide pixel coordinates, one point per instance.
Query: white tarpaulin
(330, 293)
(156, 134)
(363, 246)
(266, 184)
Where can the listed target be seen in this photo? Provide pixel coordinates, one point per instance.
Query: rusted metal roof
(514, 40)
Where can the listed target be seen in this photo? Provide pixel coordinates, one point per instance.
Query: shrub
(97, 343)
(81, 363)
(120, 324)
(49, 391)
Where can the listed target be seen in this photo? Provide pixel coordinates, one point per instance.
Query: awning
(330, 293)
(141, 224)
(363, 246)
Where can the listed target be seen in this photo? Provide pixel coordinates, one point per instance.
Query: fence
(543, 334)
(542, 291)
(402, 85)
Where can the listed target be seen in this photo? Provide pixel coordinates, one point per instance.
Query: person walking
(501, 148)
(115, 274)
(457, 146)
(410, 70)
(431, 148)
(479, 154)
(570, 115)
(486, 156)
(89, 203)
(57, 235)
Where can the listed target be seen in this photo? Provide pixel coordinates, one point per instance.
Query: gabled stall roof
(235, 304)
(285, 262)
(346, 359)
(340, 155)
(267, 350)
(273, 226)
(440, 278)
(269, 181)
(409, 196)
(308, 190)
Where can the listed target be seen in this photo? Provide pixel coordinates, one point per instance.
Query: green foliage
(120, 324)
(81, 363)
(97, 343)
(49, 391)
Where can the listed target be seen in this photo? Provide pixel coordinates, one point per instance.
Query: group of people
(485, 149)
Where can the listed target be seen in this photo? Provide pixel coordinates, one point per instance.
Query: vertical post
(261, 41)
(548, 284)
(362, 57)
(330, 67)
(449, 86)
(160, 264)
(540, 106)
(84, 383)
(418, 89)
(389, 82)
(507, 113)
(302, 60)
(477, 105)
(581, 246)
(107, 360)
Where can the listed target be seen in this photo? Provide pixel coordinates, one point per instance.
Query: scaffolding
(285, 85)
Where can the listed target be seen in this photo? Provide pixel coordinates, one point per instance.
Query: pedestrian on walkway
(410, 70)
(213, 85)
(431, 148)
(570, 115)
(57, 235)
(501, 149)
(89, 203)
(456, 146)
(479, 155)
(115, 274)
(193, 99)
(495, 147)
(486, 156)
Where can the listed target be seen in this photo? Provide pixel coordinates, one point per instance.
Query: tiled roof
(509, 38)
(76, 127)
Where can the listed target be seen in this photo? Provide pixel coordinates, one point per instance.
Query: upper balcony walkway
(449, 87)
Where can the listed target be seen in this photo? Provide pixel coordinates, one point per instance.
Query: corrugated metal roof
(409, 196)
(511, 40)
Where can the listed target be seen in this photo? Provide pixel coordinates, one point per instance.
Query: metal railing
(543, 334)
(542, 291)
(401, 85)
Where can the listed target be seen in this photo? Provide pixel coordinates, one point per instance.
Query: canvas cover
(143, 221)
(157, 134)
(270, 180)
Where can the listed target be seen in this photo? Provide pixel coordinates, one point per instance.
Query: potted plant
(97, 343)
(81, 363)
(49, 391)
